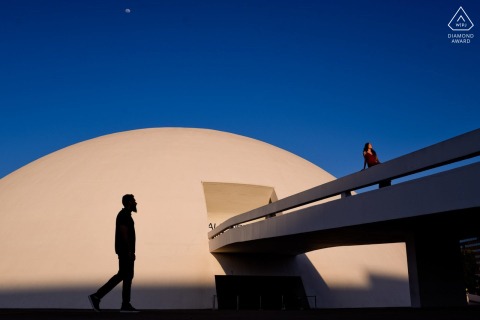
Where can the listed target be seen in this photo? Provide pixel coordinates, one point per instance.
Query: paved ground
(466, 313)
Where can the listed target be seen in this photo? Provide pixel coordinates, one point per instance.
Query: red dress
(371, 159)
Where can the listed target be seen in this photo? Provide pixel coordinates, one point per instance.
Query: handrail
(459, 148)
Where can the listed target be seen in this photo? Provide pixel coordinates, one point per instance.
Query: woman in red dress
(370, 156)
(371, 159)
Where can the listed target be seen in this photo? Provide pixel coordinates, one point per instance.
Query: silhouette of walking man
(125, 249)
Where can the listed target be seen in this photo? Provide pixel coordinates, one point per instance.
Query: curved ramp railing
(453, 150)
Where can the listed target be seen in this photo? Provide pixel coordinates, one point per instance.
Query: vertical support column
(415, 300)
(435, 270)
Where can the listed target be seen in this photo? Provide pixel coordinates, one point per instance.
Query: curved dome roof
(58, 211)
(58, 217)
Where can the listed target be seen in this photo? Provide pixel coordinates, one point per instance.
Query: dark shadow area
(172, 297)
(260, 292)
(277, 265)
(472, 313)
(379, 290)
(143, 297)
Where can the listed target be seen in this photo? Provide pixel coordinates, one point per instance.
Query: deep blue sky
(317, 78)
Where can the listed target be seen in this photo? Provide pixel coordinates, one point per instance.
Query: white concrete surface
(57, 224)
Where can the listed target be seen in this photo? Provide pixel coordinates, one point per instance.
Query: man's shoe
(95, 302)
(127, 307)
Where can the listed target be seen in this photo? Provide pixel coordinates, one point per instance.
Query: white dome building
(57, 222)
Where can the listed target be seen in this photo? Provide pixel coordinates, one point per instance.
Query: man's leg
(126, 271)
(107, 287)
(127, 267)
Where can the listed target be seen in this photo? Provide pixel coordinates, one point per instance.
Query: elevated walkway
(430, 214)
